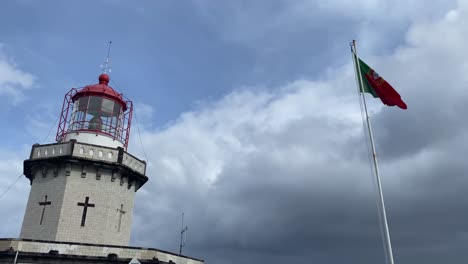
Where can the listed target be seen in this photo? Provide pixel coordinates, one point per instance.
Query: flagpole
(388, 243)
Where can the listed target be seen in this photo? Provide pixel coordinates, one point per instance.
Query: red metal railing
(64, 120)
(114, 123)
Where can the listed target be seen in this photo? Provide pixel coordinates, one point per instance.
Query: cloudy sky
(251, 124)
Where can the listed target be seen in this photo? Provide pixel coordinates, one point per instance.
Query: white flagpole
(388, 243)
(16, 257)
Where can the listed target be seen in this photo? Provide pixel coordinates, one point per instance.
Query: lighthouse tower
(83, 186)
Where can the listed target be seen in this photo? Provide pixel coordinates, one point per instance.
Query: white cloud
(292, 136)
(13, 80)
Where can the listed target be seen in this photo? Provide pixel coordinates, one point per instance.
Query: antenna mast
(106, 66)
(182, 237)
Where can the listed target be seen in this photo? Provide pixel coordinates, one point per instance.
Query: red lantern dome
(101, 89)
(96, 110)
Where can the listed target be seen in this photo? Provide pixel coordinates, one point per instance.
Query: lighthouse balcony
(74, 151)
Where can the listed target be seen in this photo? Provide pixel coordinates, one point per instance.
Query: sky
(251, 123)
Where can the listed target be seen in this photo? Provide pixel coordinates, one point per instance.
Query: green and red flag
(378, 87)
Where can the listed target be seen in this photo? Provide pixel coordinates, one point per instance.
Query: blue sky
(171, 54)
(248, 110)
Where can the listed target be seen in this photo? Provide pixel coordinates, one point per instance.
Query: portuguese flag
(378, 87)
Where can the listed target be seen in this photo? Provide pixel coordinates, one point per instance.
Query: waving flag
(378, 87)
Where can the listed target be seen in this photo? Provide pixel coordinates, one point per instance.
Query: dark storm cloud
(306, 38)
(282, 176)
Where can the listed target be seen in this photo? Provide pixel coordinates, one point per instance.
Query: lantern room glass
(98, 114)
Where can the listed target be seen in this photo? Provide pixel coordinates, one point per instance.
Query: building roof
(101, 89)
(75, 250)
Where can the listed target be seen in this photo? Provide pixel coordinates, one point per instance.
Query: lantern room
(96, 114)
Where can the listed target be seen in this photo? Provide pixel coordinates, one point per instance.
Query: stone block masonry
(90, 193)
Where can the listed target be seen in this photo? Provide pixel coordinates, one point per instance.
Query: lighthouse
(83, 186)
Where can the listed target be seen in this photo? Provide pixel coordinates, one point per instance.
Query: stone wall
(82, 252)
(109, 219)
(81, 193)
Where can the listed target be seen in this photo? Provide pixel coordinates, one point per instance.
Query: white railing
(87, 151)
(133, 163)
(95, 152)
(51, 150)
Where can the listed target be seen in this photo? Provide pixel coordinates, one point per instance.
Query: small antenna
(106, 66)
(182, 237)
